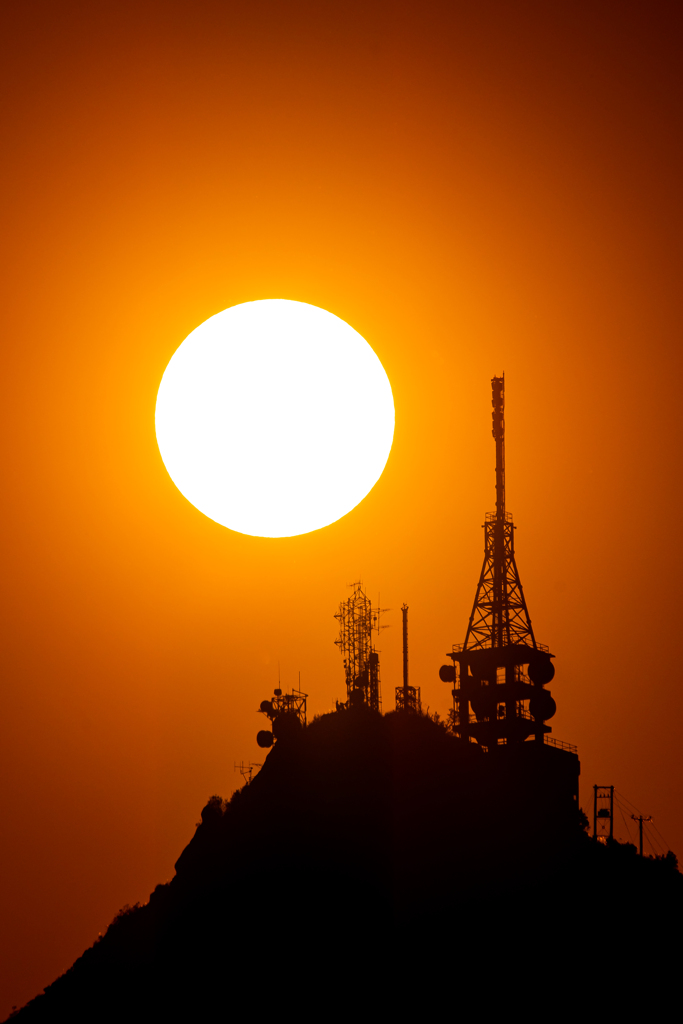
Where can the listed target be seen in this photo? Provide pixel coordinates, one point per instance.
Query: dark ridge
(376, 858)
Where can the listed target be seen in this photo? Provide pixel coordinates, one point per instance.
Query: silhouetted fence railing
(457, 648)
(560, 744)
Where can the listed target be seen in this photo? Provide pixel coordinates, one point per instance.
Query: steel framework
(499, 615)
(286, 711)
(500, 669)
(603, 813)
(293, 703)
(357, 621)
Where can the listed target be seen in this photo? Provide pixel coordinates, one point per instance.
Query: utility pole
(640, 818)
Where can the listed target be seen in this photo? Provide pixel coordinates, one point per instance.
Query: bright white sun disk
(274, 418)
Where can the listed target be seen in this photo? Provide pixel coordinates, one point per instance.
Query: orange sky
(476, 188)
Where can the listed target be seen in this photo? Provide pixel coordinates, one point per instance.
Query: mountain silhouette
(377, 860)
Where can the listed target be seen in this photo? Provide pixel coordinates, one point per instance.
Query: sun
(274, 418)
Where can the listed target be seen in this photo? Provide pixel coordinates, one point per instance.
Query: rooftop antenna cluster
(357, 621)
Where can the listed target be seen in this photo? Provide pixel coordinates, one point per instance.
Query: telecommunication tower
(500, 670)
(286, 711)
(357, 621)
(407, 697)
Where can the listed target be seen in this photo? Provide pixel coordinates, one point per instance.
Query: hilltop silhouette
(372, 850)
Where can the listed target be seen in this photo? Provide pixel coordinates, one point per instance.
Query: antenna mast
(404, 613)
(502, 670)
(499, 615)
(407, 697)
(498, 403)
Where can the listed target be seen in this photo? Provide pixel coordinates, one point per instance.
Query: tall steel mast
(502, 668)
(499, 614)
(407, 697)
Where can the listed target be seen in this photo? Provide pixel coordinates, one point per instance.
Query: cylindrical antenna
(404, 612)
(498, 403)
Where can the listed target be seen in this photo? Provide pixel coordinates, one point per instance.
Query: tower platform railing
(491, 517)
(458, 648)
(560, 744)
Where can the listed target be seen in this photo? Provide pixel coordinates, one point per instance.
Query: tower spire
(499, 614)
(498, 403)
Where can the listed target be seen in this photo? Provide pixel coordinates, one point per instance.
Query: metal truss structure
(287, 713)
(293, 703)
(408, 699)
(361, 661)
(499, 615)
(500, 670)
(603, 813)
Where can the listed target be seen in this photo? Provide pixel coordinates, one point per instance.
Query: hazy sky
(475, 188)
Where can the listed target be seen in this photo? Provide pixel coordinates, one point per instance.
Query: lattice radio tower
(500, 669)
(357, 621)
(499, 615)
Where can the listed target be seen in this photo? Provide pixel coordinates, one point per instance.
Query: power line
(640, 819)
(626, 800)
(628, 831)
(666, 845)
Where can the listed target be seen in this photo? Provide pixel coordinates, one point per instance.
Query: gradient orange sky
(475, 188)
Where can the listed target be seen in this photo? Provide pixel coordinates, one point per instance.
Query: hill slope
(368, 848)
